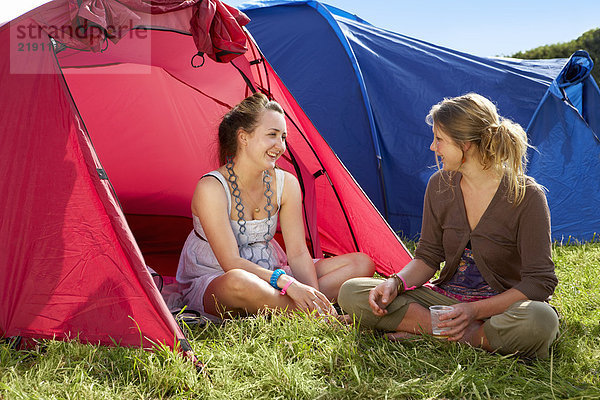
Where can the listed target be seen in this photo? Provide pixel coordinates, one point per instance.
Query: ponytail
(505, 146)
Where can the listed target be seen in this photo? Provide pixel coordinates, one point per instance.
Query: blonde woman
(490, 224)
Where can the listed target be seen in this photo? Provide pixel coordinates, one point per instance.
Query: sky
(480, 27)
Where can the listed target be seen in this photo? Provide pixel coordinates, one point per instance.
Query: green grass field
(298, 357)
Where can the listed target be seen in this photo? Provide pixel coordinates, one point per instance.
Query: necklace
(254, 202)
(264, 257)
(236, 193)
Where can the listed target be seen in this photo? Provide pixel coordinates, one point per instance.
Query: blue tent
(368, 90)
(564, 130)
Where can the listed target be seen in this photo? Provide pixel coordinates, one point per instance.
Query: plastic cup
(435, 312)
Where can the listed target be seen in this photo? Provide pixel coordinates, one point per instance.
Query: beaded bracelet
(276, 274)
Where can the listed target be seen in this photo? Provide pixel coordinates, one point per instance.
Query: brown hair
(501, 143)
(245, 115)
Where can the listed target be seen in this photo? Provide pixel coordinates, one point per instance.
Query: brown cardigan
(511, 244)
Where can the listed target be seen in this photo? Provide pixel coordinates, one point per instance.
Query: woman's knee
(542, 322)
(528, 328)
(363, 265)
(538, 320)
(353, 296)
(239, 283)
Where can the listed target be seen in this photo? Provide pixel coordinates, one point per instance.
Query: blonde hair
(501, 143)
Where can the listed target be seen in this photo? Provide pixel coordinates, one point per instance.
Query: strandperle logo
(28, 39)
(82, 32)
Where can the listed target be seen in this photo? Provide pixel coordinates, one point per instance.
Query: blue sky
(481, 27)
(485, 28)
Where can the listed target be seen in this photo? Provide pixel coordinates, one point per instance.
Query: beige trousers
(527, 327)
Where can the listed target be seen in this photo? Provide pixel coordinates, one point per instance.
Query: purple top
(467, 284)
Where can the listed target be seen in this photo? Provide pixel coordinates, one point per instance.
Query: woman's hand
(468, 317)
(307, 298)
(415, 273)
(461, 321)
(382, 295)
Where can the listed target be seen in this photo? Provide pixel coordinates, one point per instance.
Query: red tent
(112, 108)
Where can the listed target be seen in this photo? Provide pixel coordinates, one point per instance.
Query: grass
(275, 356)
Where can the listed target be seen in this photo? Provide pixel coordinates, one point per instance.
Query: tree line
(589, 41)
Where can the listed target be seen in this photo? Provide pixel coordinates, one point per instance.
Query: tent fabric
(89, 24)
(68, 263)
(368, 90)
(101, 152)
(216, 28)
(565, 130)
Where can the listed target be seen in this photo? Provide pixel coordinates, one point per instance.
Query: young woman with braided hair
(230, 262)
(490, 224)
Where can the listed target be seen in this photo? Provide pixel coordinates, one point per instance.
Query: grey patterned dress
(198, 265)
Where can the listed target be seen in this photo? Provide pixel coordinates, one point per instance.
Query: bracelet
(287, 285)
(401, 283)
(276, 274)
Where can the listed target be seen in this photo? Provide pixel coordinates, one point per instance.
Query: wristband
(286, 286)
(276, 274)
(401, 282)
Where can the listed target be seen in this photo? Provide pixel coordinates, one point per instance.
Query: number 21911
(33, 46)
